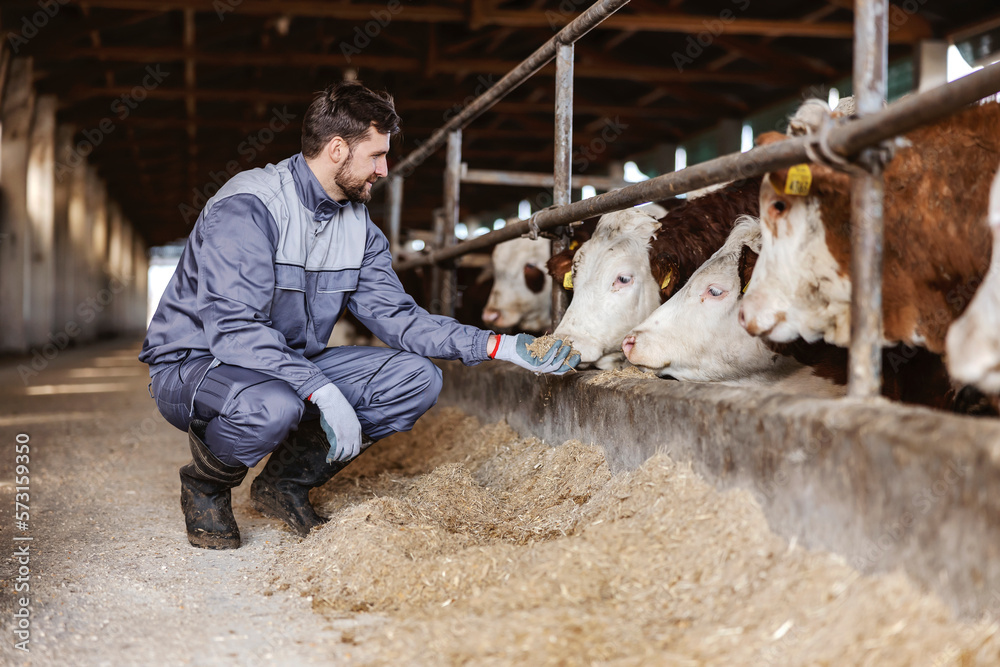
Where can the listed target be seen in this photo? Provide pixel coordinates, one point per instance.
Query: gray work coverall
(239, 336)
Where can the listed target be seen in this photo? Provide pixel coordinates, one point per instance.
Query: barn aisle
(113, 580)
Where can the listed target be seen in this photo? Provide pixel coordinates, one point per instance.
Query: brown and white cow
(521, 297)
(936, 240)
(634, 262)
(696, 336)
(974, 339)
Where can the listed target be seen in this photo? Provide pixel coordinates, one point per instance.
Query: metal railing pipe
(536, 180)
(871, 43)
(573, 31)
(447, 281)
(846, 140)
(562, 164)
(394, 206)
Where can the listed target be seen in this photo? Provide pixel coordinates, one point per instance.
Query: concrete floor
(113, 580)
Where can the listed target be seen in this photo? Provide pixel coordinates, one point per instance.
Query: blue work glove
(515, 350)
(339, 423)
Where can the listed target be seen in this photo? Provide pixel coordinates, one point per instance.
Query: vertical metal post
(394, 205)
(867, 198)
(452, 183)
(437, 274)
(563, 165)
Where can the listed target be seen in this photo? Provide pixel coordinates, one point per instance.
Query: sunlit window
(957, 67)
(588, 191)
(834, 98)
(746, 138)
(524, 209)
(632, 173)
(461, 231)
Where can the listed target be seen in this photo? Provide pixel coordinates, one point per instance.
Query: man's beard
(352, 187)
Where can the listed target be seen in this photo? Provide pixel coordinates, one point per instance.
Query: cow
(973, 341)
(696, 336)
(521, 297)
(936, 238)
(634, 262)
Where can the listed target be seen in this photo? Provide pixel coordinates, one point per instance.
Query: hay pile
(480, 547)
(628, 372)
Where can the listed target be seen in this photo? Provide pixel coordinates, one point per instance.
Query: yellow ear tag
(744, 290)
(568, 280)
(573, 245)
(799, 181)
(666, 279)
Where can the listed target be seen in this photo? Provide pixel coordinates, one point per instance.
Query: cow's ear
(560, 264)
(667, 274)
(534, 278)
(748, 259)
(776, 180)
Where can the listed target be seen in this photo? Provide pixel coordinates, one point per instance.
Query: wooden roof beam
(618, 71)
(404, 106)
(909, 31)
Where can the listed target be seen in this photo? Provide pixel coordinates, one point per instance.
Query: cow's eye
(779, 206)
(623, 280)
(714, 292)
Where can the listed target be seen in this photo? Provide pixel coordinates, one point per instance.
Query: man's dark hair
(346, 109)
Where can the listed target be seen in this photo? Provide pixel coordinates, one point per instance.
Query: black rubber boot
(281, 490)
(206, 497)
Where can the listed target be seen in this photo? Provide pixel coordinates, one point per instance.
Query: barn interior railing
(857, 140)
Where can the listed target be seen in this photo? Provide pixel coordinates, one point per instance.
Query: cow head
(696, 335)
(801, 286)
(521, 294)
(973, 342)
(613, 287)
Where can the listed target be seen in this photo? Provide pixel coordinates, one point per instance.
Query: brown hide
(691, 232)
(937, 242)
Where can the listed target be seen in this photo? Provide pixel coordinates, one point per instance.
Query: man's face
(365, 164)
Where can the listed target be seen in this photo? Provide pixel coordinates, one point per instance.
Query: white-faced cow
(521, 297)
(635, 262)
(936, 238)
(974, 339)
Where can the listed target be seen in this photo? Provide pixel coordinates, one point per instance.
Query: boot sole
(263, 506)
(216, 542)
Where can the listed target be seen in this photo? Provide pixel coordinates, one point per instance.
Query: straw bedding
(472, 545)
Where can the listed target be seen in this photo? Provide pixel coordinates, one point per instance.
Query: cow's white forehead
(630, 221)
(628, 231)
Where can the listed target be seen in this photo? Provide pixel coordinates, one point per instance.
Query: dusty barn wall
(885, 485)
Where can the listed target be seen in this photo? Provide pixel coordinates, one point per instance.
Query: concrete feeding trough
(885, 485)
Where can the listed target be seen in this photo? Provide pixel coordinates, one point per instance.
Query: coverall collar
(311, 193)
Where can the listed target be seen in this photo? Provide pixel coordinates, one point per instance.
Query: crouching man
(237, 348)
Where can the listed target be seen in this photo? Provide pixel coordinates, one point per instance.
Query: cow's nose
(491, 315)
(750, 324)
(628, 344)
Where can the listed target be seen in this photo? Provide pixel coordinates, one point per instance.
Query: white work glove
(515, 350)
(339, 423)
